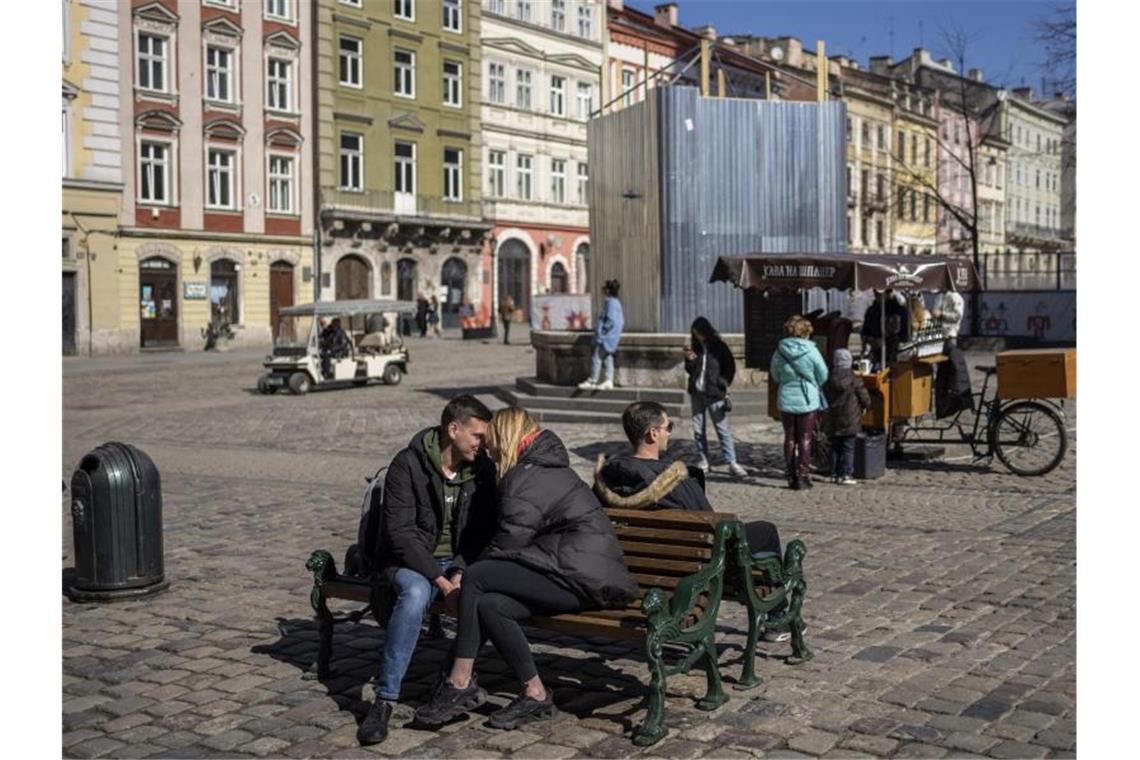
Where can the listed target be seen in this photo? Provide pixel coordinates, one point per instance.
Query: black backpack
(361, 559)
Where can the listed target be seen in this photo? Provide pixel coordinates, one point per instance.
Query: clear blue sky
(1001, 34)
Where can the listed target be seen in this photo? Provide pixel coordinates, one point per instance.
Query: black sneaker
(806, 484)
(374, 728)
(521, 711)
(448, 703)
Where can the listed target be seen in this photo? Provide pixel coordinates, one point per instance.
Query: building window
(496, 83)
(902, 146)
(523, 172)
(882, 135)
(558, 96)
(879, 233)
(452, 84)
(522, 89)
(496, 172)
(281, 184)
(224, 292)
(279, 85)
(865, 130)
(557, 180)
(957, 135)
(926, 207)
(405, 9)
(914, 149)
(1038, 179)
(452, 174)
(522, 10)
(351, 52)
(354, 3)
(154, 172)
(219, 74)
(880, 185)
(558, 15)
(864, 183)
(351, 161)
(628, 78)
(901, 210)
(1038, 143)
(453, 15)
(66, 140)
(863, 239)
(585, 100)
(279, 9)
(583, 183)
(850, 133)
(926, 153)
(913, 205)
(405, 168)
(405, 71)
(497, 6)
(850, 191)
(221, 167)
(585, 21)
(152, 62)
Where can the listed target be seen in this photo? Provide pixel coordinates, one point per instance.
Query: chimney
(1061, 97)
(1023, 92)
(617, 5)
(881, 64)
(665, 15)
(708, 31)
(976, 75)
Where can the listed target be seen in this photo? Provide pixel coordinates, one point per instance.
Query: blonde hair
(507, 430)
(796, 326)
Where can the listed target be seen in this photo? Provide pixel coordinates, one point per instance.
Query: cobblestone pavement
(940, 607)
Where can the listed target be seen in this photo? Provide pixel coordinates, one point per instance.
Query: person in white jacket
(948, 313)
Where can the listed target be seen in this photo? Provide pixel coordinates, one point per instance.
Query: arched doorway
(407, 275)
(280, 296)
(559, 279)
(453, 276)
(353, 278)
(514, 274)
(158, 302)
(224, 293)
(583, 267)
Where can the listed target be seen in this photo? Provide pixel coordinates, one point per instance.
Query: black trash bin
(116, 512)
(870, 456)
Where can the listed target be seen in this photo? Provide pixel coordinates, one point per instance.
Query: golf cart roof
(348, 308)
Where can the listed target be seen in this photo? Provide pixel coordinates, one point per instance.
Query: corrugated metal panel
(625, 211)
(739, 176)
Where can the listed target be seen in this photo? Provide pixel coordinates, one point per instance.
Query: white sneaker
(703, 464)
(587, 385)
(777, 637)
(737, 471)
(606, 385)
(847, 481)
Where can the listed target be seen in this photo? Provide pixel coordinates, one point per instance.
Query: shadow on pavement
(449, 393)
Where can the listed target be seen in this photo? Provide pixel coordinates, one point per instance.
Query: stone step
(530, 386)
(600, 402)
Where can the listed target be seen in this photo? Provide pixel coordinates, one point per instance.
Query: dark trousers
(494, 597)
(506, 331)
(763, 538)
(842, 456)
(797, 443)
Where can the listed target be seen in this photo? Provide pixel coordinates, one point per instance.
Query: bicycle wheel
(1029, 438)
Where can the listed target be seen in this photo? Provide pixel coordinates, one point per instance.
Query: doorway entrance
(514, 275)
(353, 281)
(280, 296)
(69, 313)
(454, 278)
(158, 303)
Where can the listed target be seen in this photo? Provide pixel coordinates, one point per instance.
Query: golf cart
(374, 349)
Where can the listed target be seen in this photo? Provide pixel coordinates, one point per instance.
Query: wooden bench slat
(683, 537)
(583, 624)
(650, 549)
(662, 566)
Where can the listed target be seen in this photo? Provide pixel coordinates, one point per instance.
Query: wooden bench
(681, 561)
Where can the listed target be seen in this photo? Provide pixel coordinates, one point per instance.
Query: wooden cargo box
(1037, 373)
(911, 383)
(879, 388)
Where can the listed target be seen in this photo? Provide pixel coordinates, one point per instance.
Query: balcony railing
(384, 202)
(1033, 231)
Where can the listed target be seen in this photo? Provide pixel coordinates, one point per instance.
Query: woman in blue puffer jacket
(801, 372)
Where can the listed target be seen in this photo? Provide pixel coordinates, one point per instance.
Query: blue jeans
(843, 456)
(414, 594)
(720, 422)
(596, 371)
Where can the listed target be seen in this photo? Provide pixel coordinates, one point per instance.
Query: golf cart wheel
(299, 383)
(393, 375)
(264, 386)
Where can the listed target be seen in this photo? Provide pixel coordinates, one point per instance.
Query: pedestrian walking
(421, 314)
(433, 318)
(506, 314)
(607, 335)
(847, 399)
(711, 369)
(800, 372)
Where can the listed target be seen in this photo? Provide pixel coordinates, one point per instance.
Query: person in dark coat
(422, 308)
(437, 517)
(554, 551)
(897, 326)
(847, 399)
(334, 345)
(711, 369)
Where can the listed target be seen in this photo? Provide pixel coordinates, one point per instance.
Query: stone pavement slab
(940, 598)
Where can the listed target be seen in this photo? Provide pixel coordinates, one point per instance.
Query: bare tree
(1057, 32)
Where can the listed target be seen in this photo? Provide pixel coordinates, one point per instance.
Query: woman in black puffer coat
(554, 551)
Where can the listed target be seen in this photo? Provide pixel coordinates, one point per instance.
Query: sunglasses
(667, 428)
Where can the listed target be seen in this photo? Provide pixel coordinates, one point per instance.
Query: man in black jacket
(438, 515)
(642, 480)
